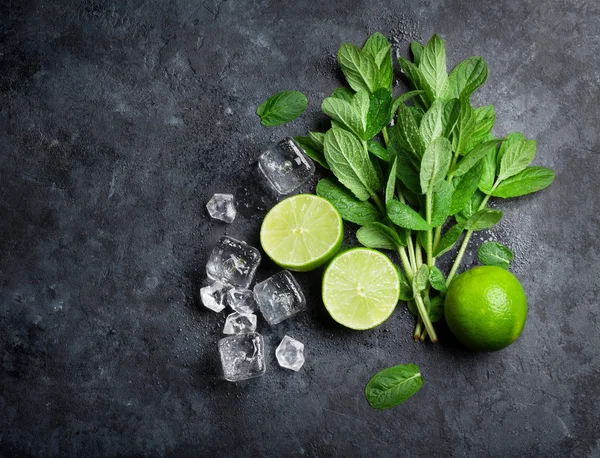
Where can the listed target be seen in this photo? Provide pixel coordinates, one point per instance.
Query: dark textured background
(119, 120)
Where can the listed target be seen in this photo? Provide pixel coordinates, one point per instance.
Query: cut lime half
(360, 288)
(302, 232)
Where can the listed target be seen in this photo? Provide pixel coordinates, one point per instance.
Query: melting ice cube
(221, 207)
(242, 356)
(285, 166)
(279, 297)
(290, 353)
(233, 262)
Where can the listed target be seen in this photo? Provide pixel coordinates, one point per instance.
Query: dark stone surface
(119, 120)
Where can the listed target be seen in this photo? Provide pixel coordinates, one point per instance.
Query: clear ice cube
(242, 356)
(285, 166)
(290, 353)
(233, 262)
(213, 296)
(241, 300)
(279, 297)
(221, 207)
(238, 323)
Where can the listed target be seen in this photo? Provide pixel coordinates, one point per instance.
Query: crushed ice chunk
(279, 297)
(285, 166)
(213, 296)
(241, 300)
(221, 207)
(233, 262)
(238, 323)
(290, 353)
(242, 356)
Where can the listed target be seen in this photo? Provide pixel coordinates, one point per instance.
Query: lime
(360, 288)
(302, 232)
(486, 308)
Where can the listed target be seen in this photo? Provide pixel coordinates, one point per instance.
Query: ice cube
(213, 296)
(241, 300)
(242, 356)
(285, 166)
(290, 353)
(233, 262)
(221, 207)
(238, 323)
(279, 297)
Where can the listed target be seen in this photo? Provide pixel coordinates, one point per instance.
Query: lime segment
(302, 232)
(360, 288)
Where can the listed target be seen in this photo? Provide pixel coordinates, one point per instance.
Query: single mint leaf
(435, 164)
(343, 93)
(483, 219)
(360, 69)
(417, 51)
(464, 128)
(471, 207)
(510, 140)
(516, 158)
(449, 239)
(467, 76)
(378, 115)
(442, 199)
(351, 114)
(379, 236)
(437, 280)
(390, 187)
(313, 149)
(484, 122)
(435, 309)
(433, 67)
(406, 292)
(420, 279)
(350, 208)
(432, 123)
(465, 187)
(393, 385)
(404, 216)
(473, 157)
(494, 254)
(530, 180)
(450, 116)
(379, 48)
(350, 163)
(488, 172)
(406, 132)
(375, 148)
(282, 107)
(407, 173)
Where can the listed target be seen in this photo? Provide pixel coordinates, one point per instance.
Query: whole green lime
(486, 308)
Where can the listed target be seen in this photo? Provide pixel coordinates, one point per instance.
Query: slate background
(119, 120)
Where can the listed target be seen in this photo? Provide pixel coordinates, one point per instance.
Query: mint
(282, 107)
(494, 254)
(393, 385)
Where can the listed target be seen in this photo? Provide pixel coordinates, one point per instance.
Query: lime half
(302, 232)
(360, 288)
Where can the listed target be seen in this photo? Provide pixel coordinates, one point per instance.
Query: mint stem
(425, 317)
(428, 211)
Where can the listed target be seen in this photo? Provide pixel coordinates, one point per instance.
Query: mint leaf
(437, 280)
(418, 81)
(450, 116)
(282, 107)
(360, 69)
(516, 158)
(379, 236)
(375, 148)
(488, 172)
(393, 385)
(442, 199)
(404, 216)
(378, 115)
(406, 292)
(351, 114)
(529, 180)
(432, 123)
(435, 164)
(473, 157)
(313, 149)
(494, 254)
(471, 207)
(510, 140)
(406, 132)
(390, 188)
(467, 76)
(379, 48)
(417, 51)
(449, 239)
(420, 279)
(403, 98)
(407, 173)
(464, 127)
(484, 122)
(343, 93)
(433, 67)
(465, 187)
(483, 219)
(435, 309)
(350, 163)
(350, 208)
